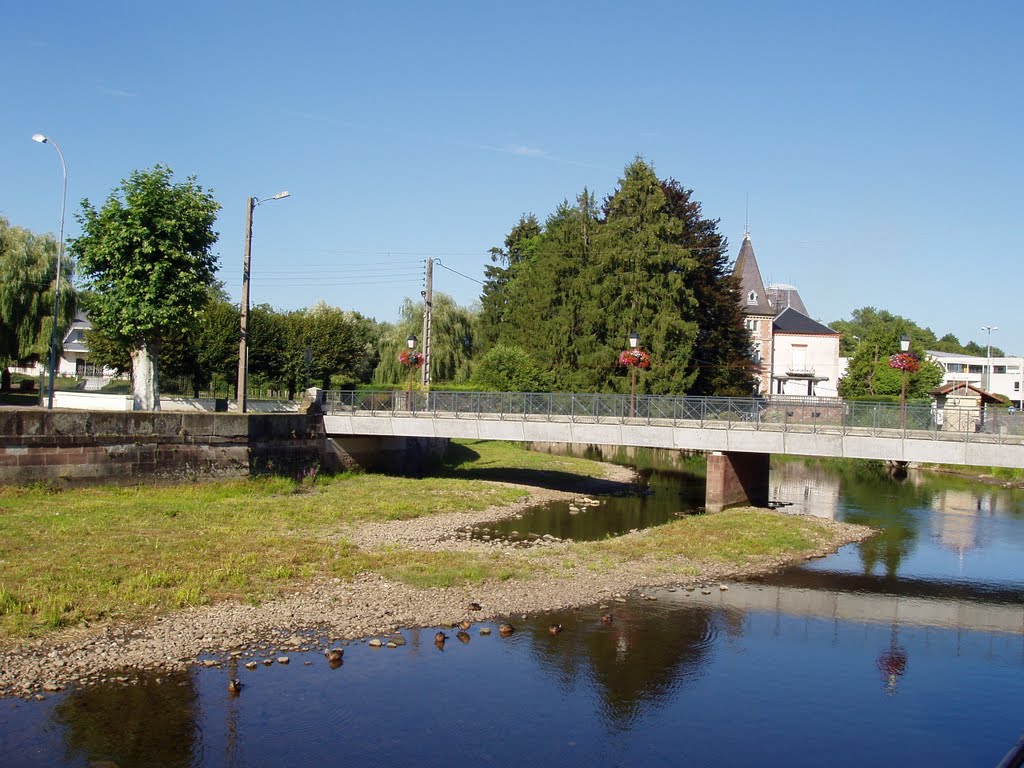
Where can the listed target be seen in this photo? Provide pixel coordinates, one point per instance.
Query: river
(907, 649)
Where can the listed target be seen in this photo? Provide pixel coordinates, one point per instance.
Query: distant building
(74, 359)
(795, 355)
(1005, 378)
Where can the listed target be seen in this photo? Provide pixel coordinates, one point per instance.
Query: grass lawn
(112, 553)
(115, 552)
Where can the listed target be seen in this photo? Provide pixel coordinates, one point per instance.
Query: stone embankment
(330, 611)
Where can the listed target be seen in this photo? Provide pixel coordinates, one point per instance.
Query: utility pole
(428, 311)
(243, 343)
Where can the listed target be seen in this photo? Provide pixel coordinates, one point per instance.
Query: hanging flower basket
(410, 358)
(905, 361)
(636, 358)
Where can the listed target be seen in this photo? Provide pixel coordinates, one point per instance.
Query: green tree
(721, 355)
(519, 244)
(28, 265)
(641, 279)
(146, 256)
(330, 335)
(547, 299)
(452, 343)
(509, 369)
(869, 372)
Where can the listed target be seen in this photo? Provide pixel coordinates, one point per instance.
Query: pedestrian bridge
(741, 432)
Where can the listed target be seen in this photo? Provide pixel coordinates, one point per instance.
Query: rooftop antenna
(746, 218)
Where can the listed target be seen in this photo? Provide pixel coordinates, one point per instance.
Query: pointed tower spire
(753, 296)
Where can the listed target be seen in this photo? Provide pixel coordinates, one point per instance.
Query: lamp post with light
(243, 344)
(60, 253)
(634, 343)
(412, 357)
(904, 348)
(988, 356)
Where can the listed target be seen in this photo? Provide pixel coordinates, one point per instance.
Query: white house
(805, 360)
(74, 359)
(795, 355)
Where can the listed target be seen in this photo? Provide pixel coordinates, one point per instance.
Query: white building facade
(998, 375)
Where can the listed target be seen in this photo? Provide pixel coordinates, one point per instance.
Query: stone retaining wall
(68, 447)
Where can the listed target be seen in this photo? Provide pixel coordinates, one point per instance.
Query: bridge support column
(736, 478)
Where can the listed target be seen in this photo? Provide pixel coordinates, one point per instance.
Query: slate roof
(747, 271)
(790, 320)
(783, 296)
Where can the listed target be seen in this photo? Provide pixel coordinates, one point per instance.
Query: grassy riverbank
(112, 553)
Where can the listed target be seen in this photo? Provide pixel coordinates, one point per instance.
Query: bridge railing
(785, 414)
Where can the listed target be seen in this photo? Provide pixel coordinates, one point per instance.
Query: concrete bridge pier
(736, 478)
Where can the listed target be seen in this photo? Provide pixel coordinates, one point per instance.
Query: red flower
(905, 361)
(410, 358)
(637, 358)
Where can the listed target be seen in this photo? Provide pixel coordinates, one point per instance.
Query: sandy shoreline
(326, 611)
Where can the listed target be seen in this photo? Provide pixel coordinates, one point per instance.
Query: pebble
(375, 643)
(283, 659)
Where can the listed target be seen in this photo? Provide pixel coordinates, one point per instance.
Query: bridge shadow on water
(459, 455)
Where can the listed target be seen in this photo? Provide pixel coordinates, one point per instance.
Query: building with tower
(795, 355)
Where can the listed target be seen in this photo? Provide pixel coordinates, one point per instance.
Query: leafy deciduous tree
(146, 256)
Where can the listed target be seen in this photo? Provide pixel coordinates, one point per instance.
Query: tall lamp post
(411, 344)
(988, 355)
(243, 344)
(60, 253)
(634, 344)
(904, 348)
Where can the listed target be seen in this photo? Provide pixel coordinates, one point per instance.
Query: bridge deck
(834, 429)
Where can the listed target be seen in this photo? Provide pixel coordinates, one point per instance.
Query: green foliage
(452, 344)
(28, 265)
(146, 256)
(147, 262)
(869, 372)
(331, 337)
(868, 321)
(495, 309)
(509, 369)
(571, 291)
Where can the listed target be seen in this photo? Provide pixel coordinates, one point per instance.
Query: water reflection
(659, 497)
(152, 721)
(636, 661)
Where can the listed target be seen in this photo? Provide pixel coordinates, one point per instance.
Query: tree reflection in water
(142, 723)
(637, 661)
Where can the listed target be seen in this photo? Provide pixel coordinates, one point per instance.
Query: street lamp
(988, 355)
(634, 343)
(243, 344)
(904, 347)
(411, 344)
(60, 253)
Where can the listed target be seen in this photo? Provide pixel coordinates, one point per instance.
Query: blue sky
(879, 143)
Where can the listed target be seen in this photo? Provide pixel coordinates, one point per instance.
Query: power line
(443, 266)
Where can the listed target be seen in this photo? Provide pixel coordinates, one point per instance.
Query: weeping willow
(27, 270)
(451, 343)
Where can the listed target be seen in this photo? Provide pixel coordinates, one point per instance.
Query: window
(755, 355)
(753, 325)
(998, 369)
(752, 298)
(1016, 386)
(955, 367)
(1013, 369)
(975, 368)
(799, 357)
